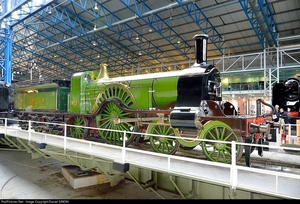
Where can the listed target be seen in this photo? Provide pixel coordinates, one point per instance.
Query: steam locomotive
(287, 95)
(186, 105)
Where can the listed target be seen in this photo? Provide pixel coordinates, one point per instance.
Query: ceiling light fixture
(2, 25)
(150, 29)
(96, 6)
(140, 52)
(95, 27)
(49, 9)
(137, 37)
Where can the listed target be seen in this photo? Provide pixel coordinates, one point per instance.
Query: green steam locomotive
(184, 105)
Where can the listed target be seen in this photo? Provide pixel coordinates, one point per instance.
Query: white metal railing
(273, 182)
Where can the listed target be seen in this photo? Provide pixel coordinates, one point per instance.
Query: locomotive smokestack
(200, 49)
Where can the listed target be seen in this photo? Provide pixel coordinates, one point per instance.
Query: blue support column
(8, 56)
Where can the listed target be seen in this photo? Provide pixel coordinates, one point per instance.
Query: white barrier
(232, 175)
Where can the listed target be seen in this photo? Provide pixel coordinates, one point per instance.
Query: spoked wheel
(217, 151)
(187, 138)
(108, 117)
(160, 144)
(77, 128)
(106, 121)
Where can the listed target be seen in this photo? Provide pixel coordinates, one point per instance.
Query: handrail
(171, 164)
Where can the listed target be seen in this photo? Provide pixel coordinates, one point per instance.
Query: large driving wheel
(160, 144)
(217, 151)
(77, 128)
(107, 118)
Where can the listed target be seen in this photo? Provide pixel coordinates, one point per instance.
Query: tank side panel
(140, 89)
(165, 91)
(148, 93)
(18, 101)
(154, 93)
(43, 101)
(74, 96)
(37, 98)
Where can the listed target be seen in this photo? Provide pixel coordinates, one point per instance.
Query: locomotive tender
(186, 105)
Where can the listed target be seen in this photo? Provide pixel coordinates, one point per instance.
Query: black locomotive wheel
(160, 144)
(217, 151)
(77, 130)
(24, 126)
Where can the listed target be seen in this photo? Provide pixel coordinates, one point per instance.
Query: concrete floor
(26, 178)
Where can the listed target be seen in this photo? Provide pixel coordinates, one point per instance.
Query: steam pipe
(260, 18)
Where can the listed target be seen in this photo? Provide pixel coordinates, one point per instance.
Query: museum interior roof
(57, 38)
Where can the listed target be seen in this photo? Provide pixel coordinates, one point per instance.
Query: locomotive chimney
(200, 49)
(103, 75)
